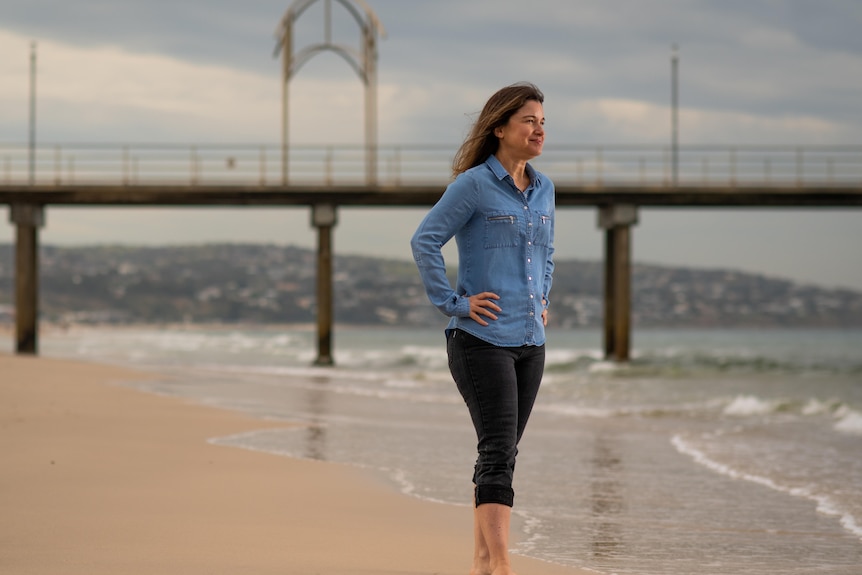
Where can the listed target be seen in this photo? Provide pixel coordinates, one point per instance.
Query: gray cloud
(766, 58)
(753, 71)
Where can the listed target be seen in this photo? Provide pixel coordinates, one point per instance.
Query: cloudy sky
(764, 72)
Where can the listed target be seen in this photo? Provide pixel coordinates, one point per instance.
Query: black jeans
(499, 386)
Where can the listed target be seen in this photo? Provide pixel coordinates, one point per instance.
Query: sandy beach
(100, 478)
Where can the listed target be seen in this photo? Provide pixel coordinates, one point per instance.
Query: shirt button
(532, 296)
(530, 224)
(530, 278)
(529, 260)
(525, 207)
(529, 243)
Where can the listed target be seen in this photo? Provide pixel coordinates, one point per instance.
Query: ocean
(717, 452)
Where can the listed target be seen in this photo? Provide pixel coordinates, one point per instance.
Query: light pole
(32, 141)
(674, 114)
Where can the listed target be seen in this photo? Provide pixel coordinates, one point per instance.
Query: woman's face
(524, 135)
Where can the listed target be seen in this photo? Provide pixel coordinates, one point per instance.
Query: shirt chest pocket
(543, 230)
(501, 230)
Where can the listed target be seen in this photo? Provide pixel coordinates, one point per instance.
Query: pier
(616, 181)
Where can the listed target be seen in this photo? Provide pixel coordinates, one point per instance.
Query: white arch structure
(362, 60)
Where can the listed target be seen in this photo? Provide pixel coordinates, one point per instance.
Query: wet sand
(98, 478)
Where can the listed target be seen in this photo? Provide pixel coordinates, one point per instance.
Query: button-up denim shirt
(505, 245)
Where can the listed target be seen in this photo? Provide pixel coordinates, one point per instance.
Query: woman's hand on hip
(482, 305)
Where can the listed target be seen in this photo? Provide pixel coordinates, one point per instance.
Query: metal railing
(260, 165)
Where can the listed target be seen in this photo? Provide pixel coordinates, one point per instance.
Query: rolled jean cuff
(495, 494)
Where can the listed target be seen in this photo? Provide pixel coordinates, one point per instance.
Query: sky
(751, 72)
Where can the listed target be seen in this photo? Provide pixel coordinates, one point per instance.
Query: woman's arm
(441, 223)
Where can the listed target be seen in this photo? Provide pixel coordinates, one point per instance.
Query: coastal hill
(254, 283)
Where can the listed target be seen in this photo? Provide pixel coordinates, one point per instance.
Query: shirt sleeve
(441, 223)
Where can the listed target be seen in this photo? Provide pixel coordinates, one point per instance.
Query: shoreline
(7, 329)
(103, 478)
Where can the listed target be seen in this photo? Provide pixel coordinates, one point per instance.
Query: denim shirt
(505, 245)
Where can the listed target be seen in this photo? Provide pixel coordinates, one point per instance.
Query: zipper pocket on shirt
(543, 233)
(502, 230)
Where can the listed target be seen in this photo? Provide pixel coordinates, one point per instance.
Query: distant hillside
(276, 284)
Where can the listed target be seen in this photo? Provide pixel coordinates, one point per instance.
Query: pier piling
(617, 221)
(324, 217)
(28, 218)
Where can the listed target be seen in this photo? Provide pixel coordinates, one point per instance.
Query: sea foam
(745, 405)
(825, 504)
(849, 421)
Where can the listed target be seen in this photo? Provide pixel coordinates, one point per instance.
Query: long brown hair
(481, 142)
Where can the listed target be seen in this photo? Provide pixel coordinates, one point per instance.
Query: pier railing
(586, 165)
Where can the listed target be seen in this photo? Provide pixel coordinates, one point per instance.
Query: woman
(501, 212)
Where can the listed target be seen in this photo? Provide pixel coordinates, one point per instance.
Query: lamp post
(674, 115)
(31, 154)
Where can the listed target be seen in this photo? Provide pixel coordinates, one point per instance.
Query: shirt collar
(501, 172)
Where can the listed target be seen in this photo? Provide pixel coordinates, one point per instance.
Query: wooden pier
(616, 181)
